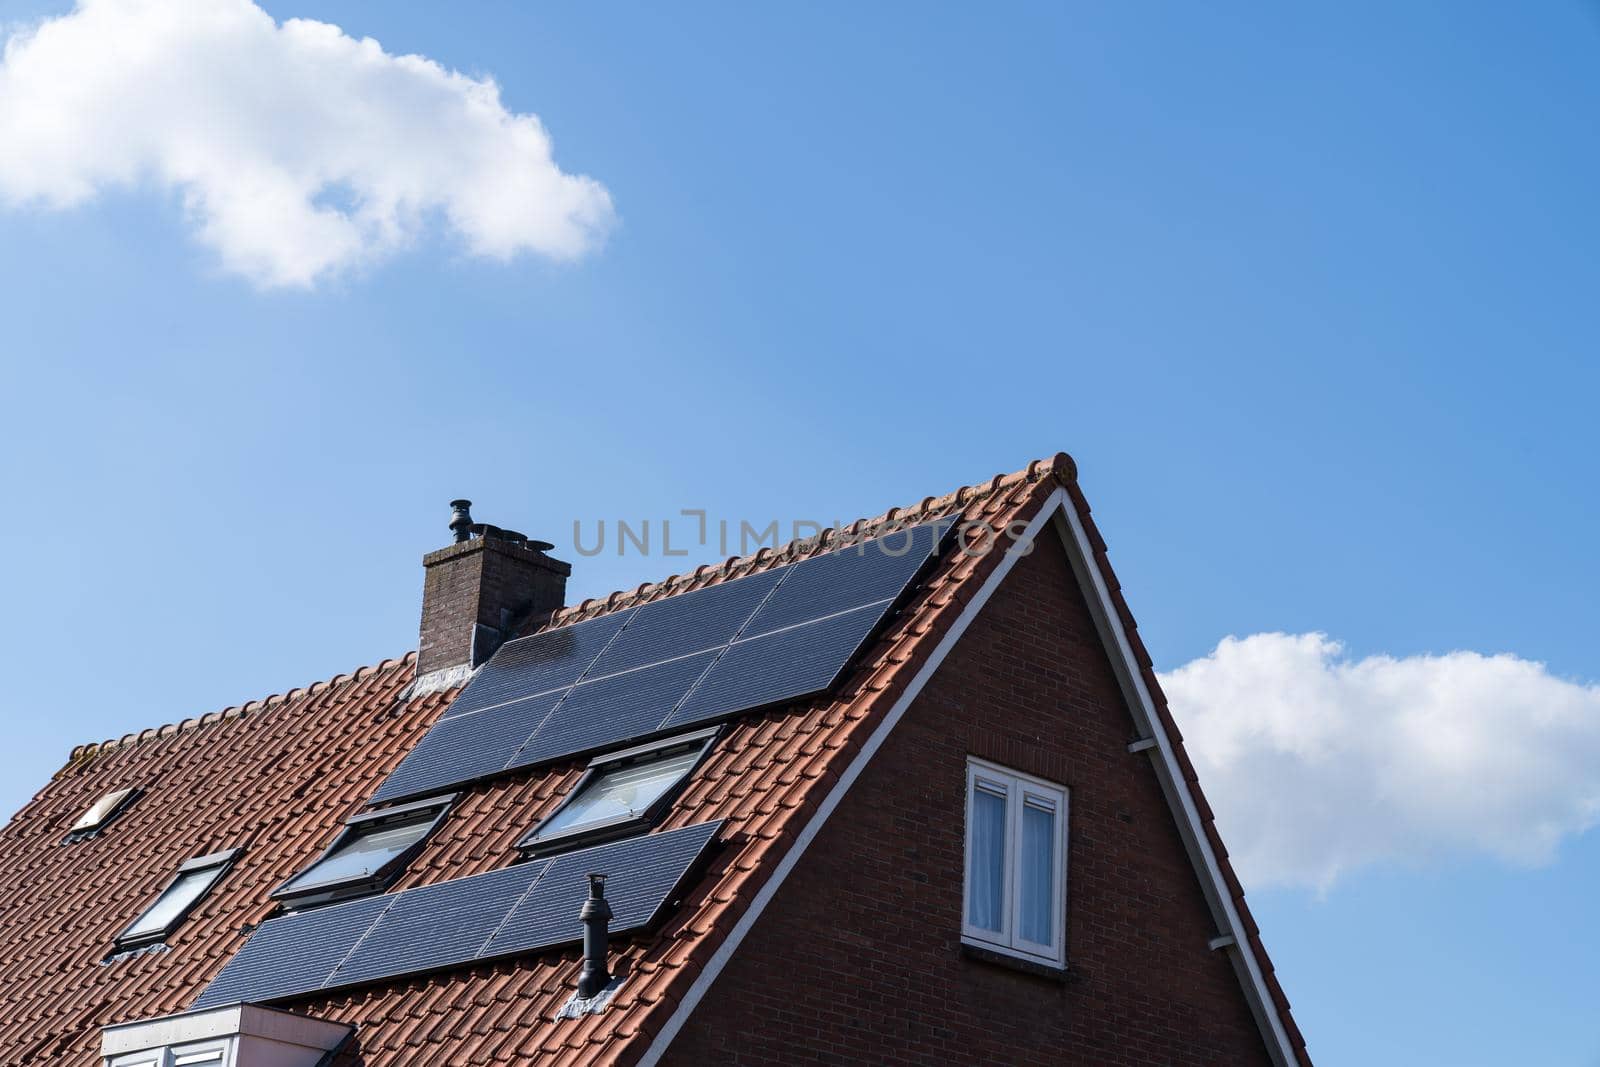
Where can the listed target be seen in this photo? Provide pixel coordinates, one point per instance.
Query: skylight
(622, 793)
(102, 812)
(192, 882)
(368, 854)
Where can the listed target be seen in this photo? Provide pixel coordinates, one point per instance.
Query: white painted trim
(1173, 783)
(719, 959)
(1058, 510)
(225, 1023)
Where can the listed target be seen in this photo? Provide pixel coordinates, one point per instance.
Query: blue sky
(1308, 294)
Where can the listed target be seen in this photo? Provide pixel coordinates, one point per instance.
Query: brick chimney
(477, 591)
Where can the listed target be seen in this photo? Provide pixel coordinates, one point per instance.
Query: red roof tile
(277, 776)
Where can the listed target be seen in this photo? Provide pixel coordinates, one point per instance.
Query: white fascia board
(1179, 796)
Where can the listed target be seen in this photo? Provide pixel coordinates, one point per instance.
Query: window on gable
(621, 793)
(369, 853)
(100, 813)
(1015, 899)
(192, 882)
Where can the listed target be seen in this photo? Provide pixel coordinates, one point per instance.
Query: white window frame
(1019, 789)
(222, 1054)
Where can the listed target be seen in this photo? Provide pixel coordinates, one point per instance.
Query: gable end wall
(857, 959)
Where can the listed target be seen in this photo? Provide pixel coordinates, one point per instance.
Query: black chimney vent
(596, 913)
(465, 529)
(461, 519)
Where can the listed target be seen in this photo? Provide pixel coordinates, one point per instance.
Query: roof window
(621, 793)
(187, 888)
(369, 853)
(101, 812)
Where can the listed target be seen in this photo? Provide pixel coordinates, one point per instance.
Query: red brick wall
(482, 582)
(857, 958)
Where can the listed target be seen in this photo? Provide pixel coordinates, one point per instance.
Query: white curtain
(1038, 873)
(987, 879)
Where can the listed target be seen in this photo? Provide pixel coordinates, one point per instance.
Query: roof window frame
(535, 843)
(327, 892)
(79, 832)
(218, 862)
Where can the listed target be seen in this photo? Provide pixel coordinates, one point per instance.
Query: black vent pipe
(461, 519)
(596, 913)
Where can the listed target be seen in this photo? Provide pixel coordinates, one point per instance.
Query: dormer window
(369, 853)
(101, 813)
(620, 794)
(236, 1035)
(187, 888)
(203, 1054)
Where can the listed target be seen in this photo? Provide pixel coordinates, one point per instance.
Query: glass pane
(364, 854)
(209, 1056)
(986, 866)
(1038, 874)
(190, 887)
(100, 811)
(621, 792)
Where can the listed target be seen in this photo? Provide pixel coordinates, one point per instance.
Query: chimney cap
(461, 519)
(464, 529)
(596, 907)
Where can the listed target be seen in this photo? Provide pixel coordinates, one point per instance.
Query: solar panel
(527, 908)
(642, 875)
(550, 660)
(607, 710)
(848, 578)
(442, 925)
(693, 657)
(292, 954)
(463, 748)
(689, 622)
(778, 667)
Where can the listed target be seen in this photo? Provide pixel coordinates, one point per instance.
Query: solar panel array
(526, 908)
(685, 660)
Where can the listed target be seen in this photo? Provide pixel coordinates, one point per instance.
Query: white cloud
(298, 151)
(1317, 764)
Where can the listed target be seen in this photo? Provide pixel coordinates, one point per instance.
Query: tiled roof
(277, 776)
